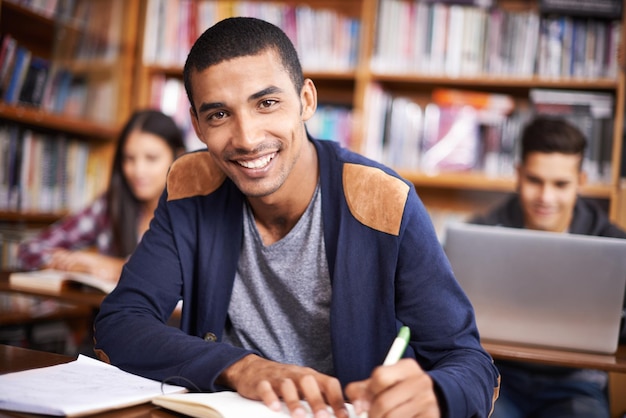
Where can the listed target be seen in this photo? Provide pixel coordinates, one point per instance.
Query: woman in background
(115, 222)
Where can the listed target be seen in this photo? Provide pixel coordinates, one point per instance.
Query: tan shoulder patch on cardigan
(193, 174)
(374, 197)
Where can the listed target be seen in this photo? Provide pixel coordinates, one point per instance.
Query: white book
(226, 405)
(82, 387)
(56, 280)
(456, 38)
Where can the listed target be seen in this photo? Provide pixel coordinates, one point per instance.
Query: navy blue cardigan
(387, 269)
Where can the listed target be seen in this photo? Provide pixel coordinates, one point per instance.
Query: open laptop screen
(541, 288)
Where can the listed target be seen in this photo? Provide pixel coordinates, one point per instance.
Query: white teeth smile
(258, 163)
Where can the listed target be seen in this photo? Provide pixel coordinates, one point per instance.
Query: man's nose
(247, 134)
(547, 193)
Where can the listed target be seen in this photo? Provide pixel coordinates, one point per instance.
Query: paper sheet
(77, 388)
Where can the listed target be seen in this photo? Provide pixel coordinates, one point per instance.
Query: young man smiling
(297, 261)
(549, 178)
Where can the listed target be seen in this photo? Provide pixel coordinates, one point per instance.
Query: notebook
(541, 288)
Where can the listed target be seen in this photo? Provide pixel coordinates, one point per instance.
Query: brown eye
(217, 116)
(267, 103)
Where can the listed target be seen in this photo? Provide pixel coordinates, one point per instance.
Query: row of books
(332, 122)
(86, 29)
(46, 173)
(168, 95)
(325, 40)
(436, 38)
(95, 32)
(11, 235)
(49, 8)
(578, 47)
(24, 77)
(27, 79)
(473, 131)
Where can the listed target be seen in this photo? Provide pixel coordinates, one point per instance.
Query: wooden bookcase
(99, 60)
(88, 55)
(456, 193)
(468, 192)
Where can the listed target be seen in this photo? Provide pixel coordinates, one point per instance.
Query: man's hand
(403, 390)
(256, 378)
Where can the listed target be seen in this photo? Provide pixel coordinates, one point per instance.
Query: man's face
(548, 185)
(252, 120)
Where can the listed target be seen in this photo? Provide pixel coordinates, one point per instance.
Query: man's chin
(544, 223)
(548, 227)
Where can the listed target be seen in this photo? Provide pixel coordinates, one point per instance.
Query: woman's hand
(105, 267)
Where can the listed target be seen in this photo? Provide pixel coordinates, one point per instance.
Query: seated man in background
(548, 180)
(297, 260)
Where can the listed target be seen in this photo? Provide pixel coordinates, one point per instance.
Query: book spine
(22, 59)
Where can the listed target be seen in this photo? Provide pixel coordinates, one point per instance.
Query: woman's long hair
(122, 205)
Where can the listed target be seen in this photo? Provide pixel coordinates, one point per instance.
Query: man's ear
(308, 99)
(519, 168)
(582, 178)
(195, 123)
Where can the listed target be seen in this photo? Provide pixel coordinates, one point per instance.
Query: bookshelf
(61, 105)
(382, 62)
(476, 189)
(333, 65)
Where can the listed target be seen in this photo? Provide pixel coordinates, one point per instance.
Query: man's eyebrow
(205, 107)
(265, 92)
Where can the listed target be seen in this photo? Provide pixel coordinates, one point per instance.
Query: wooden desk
(13, 359)
(77, 309)
(614, 364)
(554, 357)
(84, 298)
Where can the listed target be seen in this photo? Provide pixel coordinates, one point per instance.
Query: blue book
(22, 60)
(35, 81)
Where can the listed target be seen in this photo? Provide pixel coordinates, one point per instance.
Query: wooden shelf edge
(33, 16)
(460, 180)
(177, 71)
(31, 217)
(77, 126)
(475, 181)
(487, 80)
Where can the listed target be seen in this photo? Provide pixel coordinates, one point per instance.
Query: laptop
(541, 288)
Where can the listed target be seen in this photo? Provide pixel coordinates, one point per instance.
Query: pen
(397, 348)
(396, 351)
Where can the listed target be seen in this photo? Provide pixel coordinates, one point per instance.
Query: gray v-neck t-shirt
(280, 304)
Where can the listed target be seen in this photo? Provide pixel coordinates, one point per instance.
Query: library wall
(437, 90)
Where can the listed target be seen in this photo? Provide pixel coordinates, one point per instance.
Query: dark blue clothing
(386, 266)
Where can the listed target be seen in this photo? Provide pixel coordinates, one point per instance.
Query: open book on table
(56, 280)
(84, 386)
(225, 405)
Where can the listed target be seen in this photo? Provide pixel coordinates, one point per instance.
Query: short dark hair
(239, 37)
(552, 135)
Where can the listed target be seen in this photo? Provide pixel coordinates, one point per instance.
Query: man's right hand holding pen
(397, 389)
